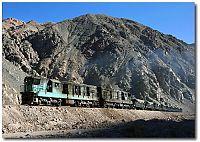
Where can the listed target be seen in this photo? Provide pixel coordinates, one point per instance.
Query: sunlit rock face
(105, 51)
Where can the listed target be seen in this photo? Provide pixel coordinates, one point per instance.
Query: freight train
(43, 91)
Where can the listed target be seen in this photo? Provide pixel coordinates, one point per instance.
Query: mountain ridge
(106, 51)
(88, 14)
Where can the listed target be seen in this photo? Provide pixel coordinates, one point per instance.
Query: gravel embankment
(51, 122)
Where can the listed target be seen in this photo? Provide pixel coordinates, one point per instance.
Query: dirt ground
(71, 122)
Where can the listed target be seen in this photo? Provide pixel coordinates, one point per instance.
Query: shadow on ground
(143, 129)
(138, 129)
(154, 128)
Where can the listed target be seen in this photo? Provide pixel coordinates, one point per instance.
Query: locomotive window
(110, 94)
(36, 81)
(84, 91)
(31, 80)
(28, 79)
(77, 90)
(117, 95)
(65, 88)
(105, 94)
(73, 91)
(123, 97)
(88, 91)
(57, 85)
(114, 94)
(49, 86)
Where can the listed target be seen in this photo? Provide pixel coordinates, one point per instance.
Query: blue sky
(177, 19)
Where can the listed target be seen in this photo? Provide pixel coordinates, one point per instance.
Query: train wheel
(91, 105)
(48, 103)
(87, 104)
(39, 102)
(76, 104)
(59, 103)
(51, 101)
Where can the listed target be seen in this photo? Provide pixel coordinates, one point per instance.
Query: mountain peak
(11, 22)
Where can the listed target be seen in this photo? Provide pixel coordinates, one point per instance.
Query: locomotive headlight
(34, 88)
(37, 88)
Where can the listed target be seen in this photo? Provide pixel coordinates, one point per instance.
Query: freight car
(43, 91)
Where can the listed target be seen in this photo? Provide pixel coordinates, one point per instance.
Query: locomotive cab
(53, 86)
(30, 83)
(30, 87)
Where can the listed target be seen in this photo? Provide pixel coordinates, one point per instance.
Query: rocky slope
(107, 51)
(12, 79)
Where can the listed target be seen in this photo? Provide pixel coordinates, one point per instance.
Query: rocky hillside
(107, 51)
(12, 79)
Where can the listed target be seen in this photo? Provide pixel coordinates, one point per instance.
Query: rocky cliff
(106, 51)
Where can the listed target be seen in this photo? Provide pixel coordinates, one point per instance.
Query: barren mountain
(107, 51)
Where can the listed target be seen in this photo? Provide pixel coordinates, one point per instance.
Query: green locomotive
(43, 91)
